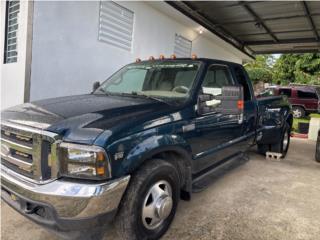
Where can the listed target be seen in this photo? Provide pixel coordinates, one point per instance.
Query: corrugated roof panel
(229, 14)
(253, 37)
(263, 23)
(277, 8)
(229, 10)
(295, 35)
(297, 24)
(245, 28)
(316, 20)
(314, 7)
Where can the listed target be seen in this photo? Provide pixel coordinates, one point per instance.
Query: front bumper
(62, 204)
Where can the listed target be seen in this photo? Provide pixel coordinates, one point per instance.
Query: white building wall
(12, 75)
(67, 56)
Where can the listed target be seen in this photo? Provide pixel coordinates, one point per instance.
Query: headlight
(83, 161)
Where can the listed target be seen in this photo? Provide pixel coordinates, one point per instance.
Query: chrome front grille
(29, 151)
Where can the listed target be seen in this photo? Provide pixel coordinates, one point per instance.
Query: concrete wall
(67, 56)
(12, 75)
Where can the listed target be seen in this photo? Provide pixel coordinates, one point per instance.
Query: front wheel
(150, 202)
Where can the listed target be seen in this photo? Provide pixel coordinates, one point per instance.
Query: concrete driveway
(258, 200)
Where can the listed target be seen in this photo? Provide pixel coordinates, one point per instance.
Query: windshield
(165, 80)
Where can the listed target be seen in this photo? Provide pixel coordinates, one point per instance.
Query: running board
(202, 181)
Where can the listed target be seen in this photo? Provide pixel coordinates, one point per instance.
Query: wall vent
(116, 25)
(11, 31)
(182, 46)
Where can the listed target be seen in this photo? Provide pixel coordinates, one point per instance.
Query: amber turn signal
(100, 168)
(240, 104)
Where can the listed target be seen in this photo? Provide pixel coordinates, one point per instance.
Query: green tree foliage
(288, 68)
(261, 68)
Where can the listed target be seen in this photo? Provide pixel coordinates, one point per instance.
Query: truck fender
(155, 145)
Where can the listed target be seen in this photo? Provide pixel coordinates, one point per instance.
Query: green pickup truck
(130, 150)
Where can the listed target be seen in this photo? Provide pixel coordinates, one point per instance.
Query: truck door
(215, 133)
(248, 126)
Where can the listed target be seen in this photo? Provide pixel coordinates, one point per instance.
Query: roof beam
(289, 41)
(284, 51)
(275, 32)
(258, 19)
(313, 26)
(267, 19)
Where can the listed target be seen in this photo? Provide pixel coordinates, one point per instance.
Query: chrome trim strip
(22, 178)
(16, 146)
(71, 200)
(24, 128)
(38, 136)
(20, 163)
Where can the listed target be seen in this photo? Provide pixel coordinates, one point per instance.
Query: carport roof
(259, 27)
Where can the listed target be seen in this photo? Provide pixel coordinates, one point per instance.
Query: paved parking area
(257, 200)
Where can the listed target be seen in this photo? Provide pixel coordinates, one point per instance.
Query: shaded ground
(258, 200)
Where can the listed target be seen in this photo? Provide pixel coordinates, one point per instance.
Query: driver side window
(216, 77)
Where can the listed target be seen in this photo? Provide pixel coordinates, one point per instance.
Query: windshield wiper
(150, 97)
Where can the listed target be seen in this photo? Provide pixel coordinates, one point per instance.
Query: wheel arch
(169, 148)
(289, 119)
(298, 105)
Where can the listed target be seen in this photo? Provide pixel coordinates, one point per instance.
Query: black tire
(263, 148)
(281, 146)
(129, 220)
(318, 149)
(298, 112)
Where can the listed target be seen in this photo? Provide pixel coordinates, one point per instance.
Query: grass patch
(314, 115)
(296, 121)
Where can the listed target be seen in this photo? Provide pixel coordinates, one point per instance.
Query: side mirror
(229, 102)
(203, 98)
(232, 101)
(95, 86)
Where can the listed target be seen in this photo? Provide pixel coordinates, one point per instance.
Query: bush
(260, 74)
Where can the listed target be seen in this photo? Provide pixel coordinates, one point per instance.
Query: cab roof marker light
(173, 56)
(161, 57)
(194, 56)
(138, 60)
(151, 58)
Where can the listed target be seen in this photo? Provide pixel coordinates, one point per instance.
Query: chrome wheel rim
(285, 140)
(157, 205)
(297, 113)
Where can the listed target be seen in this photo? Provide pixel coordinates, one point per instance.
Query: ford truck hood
(83, 118)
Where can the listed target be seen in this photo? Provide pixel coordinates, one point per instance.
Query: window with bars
(11, 30)
(116, 25)
(182, 46)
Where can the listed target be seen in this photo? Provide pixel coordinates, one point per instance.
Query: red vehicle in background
(304, 99)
